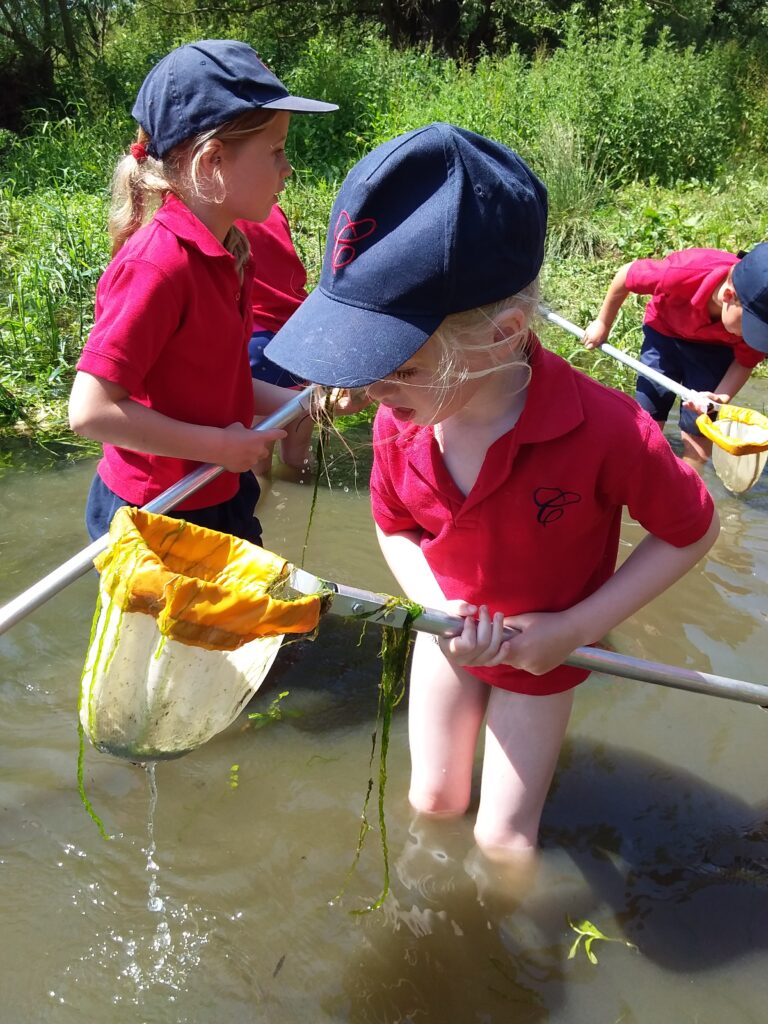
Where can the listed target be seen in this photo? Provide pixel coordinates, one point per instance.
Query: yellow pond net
(740, 445)
(185, 631)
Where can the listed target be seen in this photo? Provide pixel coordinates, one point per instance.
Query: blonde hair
(140, 183)
(463, 335)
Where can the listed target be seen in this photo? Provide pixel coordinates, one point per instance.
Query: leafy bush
(630, 138)
(656, 112)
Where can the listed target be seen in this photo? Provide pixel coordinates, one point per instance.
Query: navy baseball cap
(199, 86)
(750, 279)
(433, 222)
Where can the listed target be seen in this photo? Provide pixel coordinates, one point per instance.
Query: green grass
(644, 149)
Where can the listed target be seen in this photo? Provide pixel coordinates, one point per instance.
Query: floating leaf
(590, 933)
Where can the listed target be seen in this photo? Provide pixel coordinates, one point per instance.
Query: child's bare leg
(696, 449)
(523, 736)
(445, 712)
(296, 447)
(264, 466)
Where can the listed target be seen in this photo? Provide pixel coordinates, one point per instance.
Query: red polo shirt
(539, 530)
(680, 286)
(279, 281)
(173, 322)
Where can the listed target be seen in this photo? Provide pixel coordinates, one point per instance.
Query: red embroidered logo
(346, 235)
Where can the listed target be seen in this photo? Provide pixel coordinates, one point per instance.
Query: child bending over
(500, 472)
(706, 327)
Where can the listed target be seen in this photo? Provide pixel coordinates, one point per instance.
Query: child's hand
(243, 448)
(595, 334)
(481, 641)
(702, 401)
(346, 401)
(544, 641)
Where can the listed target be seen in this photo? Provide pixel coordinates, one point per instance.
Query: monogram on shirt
(551, 503)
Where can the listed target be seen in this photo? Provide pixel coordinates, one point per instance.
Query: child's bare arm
(481, 638)
(734, 379)
(105, 412)
(597, 332)
(409, 567)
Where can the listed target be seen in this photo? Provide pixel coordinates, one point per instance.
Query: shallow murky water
(218, 902)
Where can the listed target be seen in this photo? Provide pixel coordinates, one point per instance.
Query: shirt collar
(702, 295)
(179, 219)
(553, 404)
(553, 407)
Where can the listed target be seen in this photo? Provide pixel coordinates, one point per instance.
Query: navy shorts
(263, 368)
(234, 516)
(695, 365)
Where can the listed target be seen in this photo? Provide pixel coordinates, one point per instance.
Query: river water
(216, 899)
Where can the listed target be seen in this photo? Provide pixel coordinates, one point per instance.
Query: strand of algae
(395, 648)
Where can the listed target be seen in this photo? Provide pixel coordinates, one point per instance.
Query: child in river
(500, 472)
(164, 379)
(706, 327)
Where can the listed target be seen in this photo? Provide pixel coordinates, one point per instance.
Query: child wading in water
(706, 327)
(500, 472)
(164, 380)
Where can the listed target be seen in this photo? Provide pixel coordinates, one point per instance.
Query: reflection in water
(655, 829)
(647, 852)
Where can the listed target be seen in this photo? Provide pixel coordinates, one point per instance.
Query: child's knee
(502, 840)
(438, 803)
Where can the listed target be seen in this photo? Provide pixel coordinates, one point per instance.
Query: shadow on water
(682, 864)
(675, 866)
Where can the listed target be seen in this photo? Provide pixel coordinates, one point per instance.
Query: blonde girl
(164, 380)
(500, 473)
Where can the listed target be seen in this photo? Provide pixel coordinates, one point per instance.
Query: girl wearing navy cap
(500, 472)
(164, 380)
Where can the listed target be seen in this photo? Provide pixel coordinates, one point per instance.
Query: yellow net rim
(203, 588)
(733, 444)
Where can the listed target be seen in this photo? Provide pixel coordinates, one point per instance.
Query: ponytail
(139, 185)
(141, 182)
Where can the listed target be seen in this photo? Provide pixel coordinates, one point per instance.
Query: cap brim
(300, 105)
(329, 342)
(754, 331)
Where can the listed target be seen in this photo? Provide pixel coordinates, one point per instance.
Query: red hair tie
(138, 152)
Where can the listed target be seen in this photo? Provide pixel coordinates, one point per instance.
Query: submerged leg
(696, 449)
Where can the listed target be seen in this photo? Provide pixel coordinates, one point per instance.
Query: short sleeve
(747, 356)
(387, 482)
(644, 276)
(138, 308)
(660, 491)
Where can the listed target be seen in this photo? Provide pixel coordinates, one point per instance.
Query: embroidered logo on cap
(346, 234)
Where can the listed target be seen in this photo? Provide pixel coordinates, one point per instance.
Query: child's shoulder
(687, 260)
(604, 404)
(576, 398)
(152, 251)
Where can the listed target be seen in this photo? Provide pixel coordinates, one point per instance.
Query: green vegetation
(649, 138)
(589, 933)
